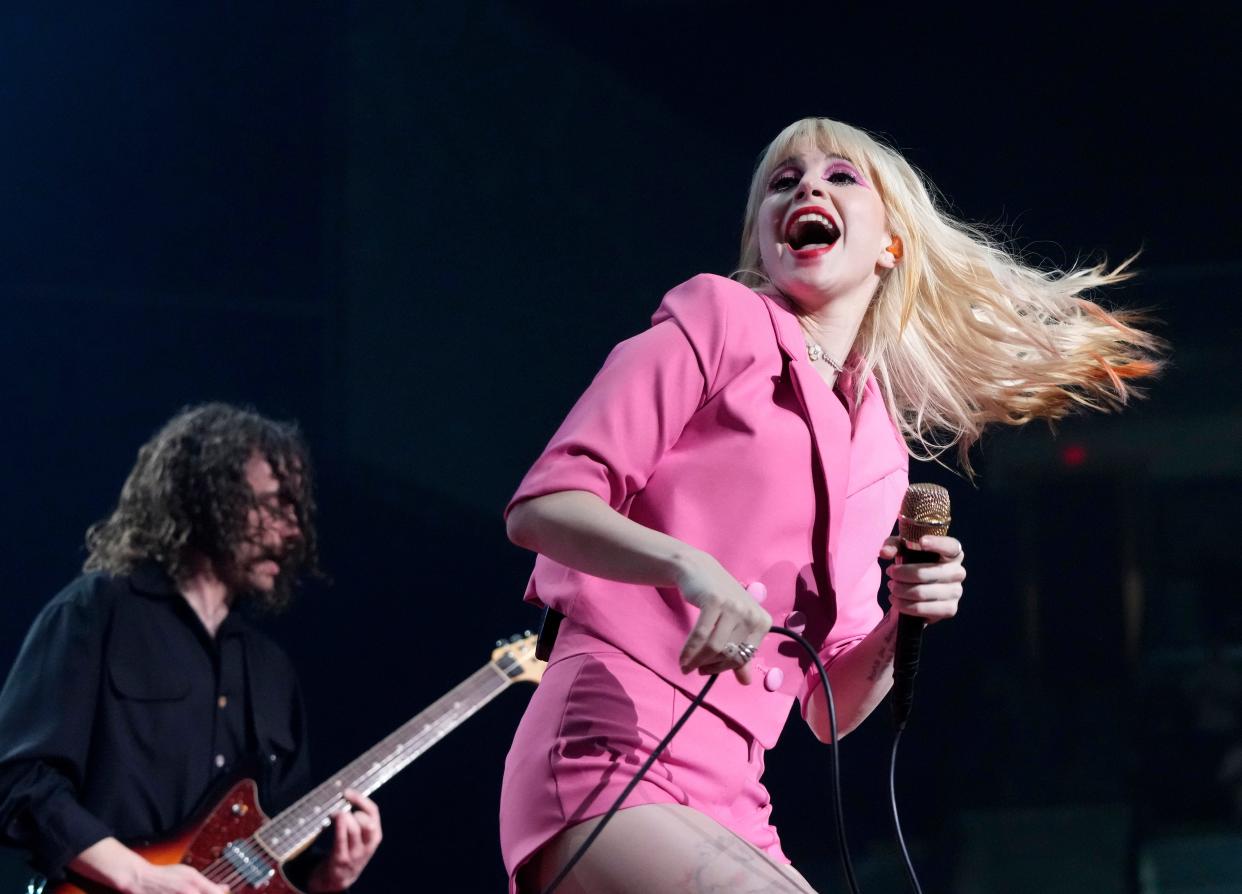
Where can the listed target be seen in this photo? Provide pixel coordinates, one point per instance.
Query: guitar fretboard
(288, 833)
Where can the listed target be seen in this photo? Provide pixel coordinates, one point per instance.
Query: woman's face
(822, 228)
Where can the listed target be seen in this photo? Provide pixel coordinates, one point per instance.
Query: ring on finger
(744, 651)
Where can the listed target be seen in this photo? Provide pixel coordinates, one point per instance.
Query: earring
(895, 248)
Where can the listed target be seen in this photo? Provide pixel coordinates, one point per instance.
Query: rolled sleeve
(640, 401)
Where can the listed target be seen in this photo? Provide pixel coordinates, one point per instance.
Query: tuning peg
(500, 643)
(525, 634)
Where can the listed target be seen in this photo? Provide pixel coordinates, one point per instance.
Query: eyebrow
(831, 156)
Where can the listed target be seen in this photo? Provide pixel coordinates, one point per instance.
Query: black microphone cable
(906, 658)
(905, 668)
(838, 809)
(835, 756)
(892, 797)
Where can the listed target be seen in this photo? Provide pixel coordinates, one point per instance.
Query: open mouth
(811, 229)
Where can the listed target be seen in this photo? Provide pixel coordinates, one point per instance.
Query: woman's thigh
(659, 849)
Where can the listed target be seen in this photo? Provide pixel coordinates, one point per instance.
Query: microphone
(924, 510)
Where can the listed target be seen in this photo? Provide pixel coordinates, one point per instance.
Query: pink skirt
(592, 722)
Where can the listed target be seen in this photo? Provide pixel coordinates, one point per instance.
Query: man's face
(272, 525)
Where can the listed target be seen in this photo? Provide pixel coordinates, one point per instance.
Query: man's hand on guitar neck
(357, 834)
(112, 863)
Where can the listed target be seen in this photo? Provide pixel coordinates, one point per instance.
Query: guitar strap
(548, 628)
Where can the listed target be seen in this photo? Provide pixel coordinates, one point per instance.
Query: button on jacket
(713, 427)
(121, 715)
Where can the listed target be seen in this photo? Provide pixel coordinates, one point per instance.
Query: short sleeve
(636, 407)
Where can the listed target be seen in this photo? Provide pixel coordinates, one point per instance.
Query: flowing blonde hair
(962, 333)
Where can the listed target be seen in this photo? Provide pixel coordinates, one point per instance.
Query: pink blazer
(713, 427)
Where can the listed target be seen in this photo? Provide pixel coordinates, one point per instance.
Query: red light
(1073, 455)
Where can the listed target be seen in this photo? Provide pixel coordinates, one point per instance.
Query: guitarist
(139, 689)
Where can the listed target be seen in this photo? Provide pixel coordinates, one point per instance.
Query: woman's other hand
(927, 590)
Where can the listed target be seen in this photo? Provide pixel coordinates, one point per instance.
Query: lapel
(826, 418)
(879, 448)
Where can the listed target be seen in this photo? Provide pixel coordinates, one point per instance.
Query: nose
(810, 187)
(287, 525)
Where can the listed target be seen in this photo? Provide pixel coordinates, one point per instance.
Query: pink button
(773, 679)
(758, 591)
(796, 621)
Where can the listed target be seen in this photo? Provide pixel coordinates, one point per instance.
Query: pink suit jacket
(713, 427)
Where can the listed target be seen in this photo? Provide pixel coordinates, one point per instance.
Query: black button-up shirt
(122, 715)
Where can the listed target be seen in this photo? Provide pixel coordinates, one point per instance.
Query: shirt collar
(150, 579)
(792, 341)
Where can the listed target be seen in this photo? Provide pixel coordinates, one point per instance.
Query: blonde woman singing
(740, 464)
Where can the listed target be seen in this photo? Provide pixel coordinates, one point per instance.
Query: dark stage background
(418, 228)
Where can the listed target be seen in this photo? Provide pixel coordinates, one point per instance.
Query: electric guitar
(235, 844)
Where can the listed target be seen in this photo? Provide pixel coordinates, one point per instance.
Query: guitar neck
(288, 833)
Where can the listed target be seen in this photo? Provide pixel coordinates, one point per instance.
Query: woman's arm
(862, 676)
(860, 679)
(578, 529)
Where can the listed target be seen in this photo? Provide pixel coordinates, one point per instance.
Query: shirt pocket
(137, 682)
(150, 709)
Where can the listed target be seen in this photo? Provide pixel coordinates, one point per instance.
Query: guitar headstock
(516, 658)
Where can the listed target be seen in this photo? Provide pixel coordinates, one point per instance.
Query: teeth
(799, 222)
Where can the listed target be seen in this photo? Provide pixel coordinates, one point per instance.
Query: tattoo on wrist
(884, 657)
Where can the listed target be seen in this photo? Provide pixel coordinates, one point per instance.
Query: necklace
(816, 352)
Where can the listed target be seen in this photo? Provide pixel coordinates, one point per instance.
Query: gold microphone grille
(924, 510)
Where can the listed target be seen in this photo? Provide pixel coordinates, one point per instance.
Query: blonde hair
(961, 333)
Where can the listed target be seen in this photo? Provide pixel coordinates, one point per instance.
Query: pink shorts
(592, 722)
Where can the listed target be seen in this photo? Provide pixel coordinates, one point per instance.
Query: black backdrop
(418, 228)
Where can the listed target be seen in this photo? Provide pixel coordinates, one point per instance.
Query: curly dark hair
(187, 500)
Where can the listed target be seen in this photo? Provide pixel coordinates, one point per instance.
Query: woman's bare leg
(660, 849)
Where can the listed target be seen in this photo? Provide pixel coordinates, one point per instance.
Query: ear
(891, 255)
